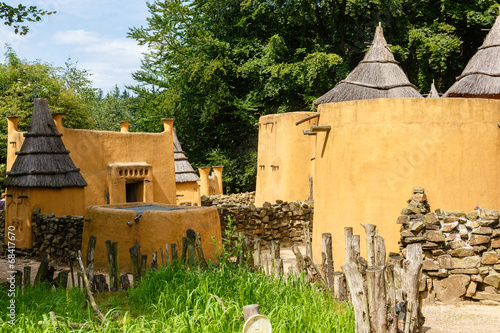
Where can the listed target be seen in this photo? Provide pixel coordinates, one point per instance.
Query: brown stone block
(441, 273)
(482, 231)
(488, 223)
(495, 243)
(471, 290)
(490, 258)
(448, 227)
(451, 289)
(434, 236)
(430, 265)
(450, 219)
(466, 262)
(479, 239)
(445, 261)
(488, 214)
(486, 296)
(472, 215)
(467, 271)
(493, 279)
(409, 240)
(456, 244)
(431, 218)
(462, 252)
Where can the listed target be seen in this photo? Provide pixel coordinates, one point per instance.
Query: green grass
(175, 299)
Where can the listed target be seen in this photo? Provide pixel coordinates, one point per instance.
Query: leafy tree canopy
(15, 16)
(216, 66)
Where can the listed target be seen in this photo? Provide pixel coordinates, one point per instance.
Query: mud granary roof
(184, 172)
(481, 76)
(378, 75)
(43, 160)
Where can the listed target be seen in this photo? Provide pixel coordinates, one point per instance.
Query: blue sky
(90, 32)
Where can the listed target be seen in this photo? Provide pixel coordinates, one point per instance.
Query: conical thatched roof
(43, 160)
(481, 76)
(378, 75)
(434, 93)
(184, 172)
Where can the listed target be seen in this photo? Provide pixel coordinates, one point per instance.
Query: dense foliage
(216, 66)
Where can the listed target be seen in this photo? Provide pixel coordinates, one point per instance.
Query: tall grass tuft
(177, 299)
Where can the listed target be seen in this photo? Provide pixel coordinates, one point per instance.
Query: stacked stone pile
(57, 236)
(280, 221)
(462, 250)
(244, 199)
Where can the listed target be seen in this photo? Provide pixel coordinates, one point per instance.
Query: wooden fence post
(134, 258)
(257, 259)
(27, 277)
(250, 310)
(307, 240)
(90, 260)
(184, 249)
(175, 257)
(144, 263)
(111, 250)
(370, 243)
(154, 260)
(328, 262)
(41, 274)
(199, 250)
(358, 297)
(377, 298)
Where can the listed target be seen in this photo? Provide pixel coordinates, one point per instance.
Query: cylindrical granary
(204, 182)
(378, 150)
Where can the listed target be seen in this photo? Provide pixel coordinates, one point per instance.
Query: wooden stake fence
(385, 295)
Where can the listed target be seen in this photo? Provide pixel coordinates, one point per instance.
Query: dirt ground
(466, 317)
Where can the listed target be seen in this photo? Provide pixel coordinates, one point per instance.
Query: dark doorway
(134, 191)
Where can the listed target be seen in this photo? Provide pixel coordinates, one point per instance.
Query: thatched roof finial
(433, 93)
(378, 75)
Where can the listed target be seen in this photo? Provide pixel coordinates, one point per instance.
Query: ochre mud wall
(284, 167)
(378, 149)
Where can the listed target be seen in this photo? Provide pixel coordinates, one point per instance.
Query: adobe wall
(462, 250)
(377, 149)
(101, 155)
(284, 165)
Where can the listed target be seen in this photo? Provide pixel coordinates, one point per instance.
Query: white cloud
(78, 37)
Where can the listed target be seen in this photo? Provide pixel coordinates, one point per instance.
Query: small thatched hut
(43, 175)
(481, 76)
(433, 93)
(186, 179)
(378, 75)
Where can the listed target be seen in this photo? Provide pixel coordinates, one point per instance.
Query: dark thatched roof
(43, 160)
(378, 75)
(184, 172)
(481, 76)
(433, 93)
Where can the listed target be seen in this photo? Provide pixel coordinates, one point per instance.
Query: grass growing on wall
(175, 299)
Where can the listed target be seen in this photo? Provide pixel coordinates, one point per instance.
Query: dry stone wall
(283, 220)
(57, 236)
(462, 250)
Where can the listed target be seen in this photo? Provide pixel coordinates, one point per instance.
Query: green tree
(216, 66)
(15, 16)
